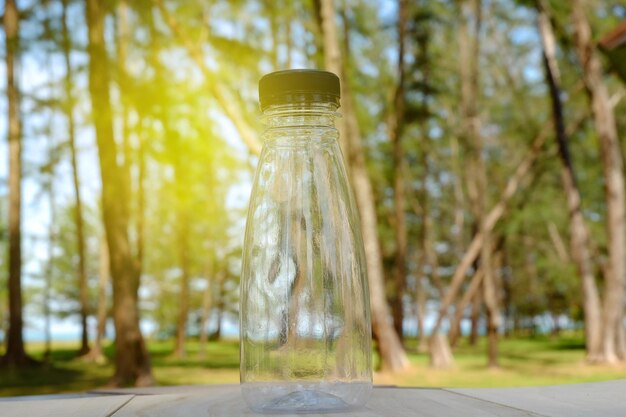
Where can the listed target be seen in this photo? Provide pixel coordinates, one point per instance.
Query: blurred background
(486, 139)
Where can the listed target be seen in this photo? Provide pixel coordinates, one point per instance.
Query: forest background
(483, 140)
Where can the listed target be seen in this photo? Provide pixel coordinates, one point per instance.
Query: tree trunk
(183, 306)
(420, 312)
(78, 212)
(51, 241)
(141, 200)
(470, 140)
(459, 200)
(183, 255)
(121, 50)
(491, 304)
(556, 328)
(613, 170)
(470, 136)
(493, 321)
(206, 312)
(558, 243)
(130, 156)
(96, 353)
(396, 128)
(509, 319)
(15, 355)
(427, 241)
(49, 185)
(427, 238)
(181, 180)
(217, 334)
(440, 352)
(209, 272)
(182, 216)
(333, 62)
(477, 304)
(132, 363)
(579, 235)
(471, 292)
(393, 356)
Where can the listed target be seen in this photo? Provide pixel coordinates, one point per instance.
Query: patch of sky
(524, 35)
(298, 57)
(533, 74)
(228, 131)
(446, 178)
(388, 12)
(221, 9)
(435, 132)
(239, 194)
(434, 187)
(67, 329)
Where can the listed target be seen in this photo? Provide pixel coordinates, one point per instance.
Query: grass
(523, 362)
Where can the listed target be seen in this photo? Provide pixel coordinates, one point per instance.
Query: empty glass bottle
(304, 317)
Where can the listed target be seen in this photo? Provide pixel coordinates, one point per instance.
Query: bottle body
(304, 319)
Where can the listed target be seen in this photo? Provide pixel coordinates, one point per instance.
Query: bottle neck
(301, 115)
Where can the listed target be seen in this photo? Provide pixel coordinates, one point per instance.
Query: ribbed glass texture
(304, 317)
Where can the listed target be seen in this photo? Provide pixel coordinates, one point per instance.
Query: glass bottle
(305, 315)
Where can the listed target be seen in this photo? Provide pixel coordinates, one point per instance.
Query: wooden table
(606, 399)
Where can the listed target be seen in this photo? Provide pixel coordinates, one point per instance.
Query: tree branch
(247, 133)
(489, 223)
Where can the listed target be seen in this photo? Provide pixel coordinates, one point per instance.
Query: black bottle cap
(298, 86)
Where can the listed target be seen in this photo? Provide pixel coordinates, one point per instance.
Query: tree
(49, 168)
(476, 174)
(202, 169)
(104, 279)
(393, 356)
(78, 214)
(132, 363)
(183, 215)
(4, 270)
(396, 130)
(613, 337)
(15, 354)
(420, 97)
(579, 235)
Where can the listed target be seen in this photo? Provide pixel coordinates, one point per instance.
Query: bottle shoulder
(308, 136)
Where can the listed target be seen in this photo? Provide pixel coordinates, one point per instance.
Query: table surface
(606, 399)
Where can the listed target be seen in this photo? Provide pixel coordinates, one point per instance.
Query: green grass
(523, 362)
(62, 374)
